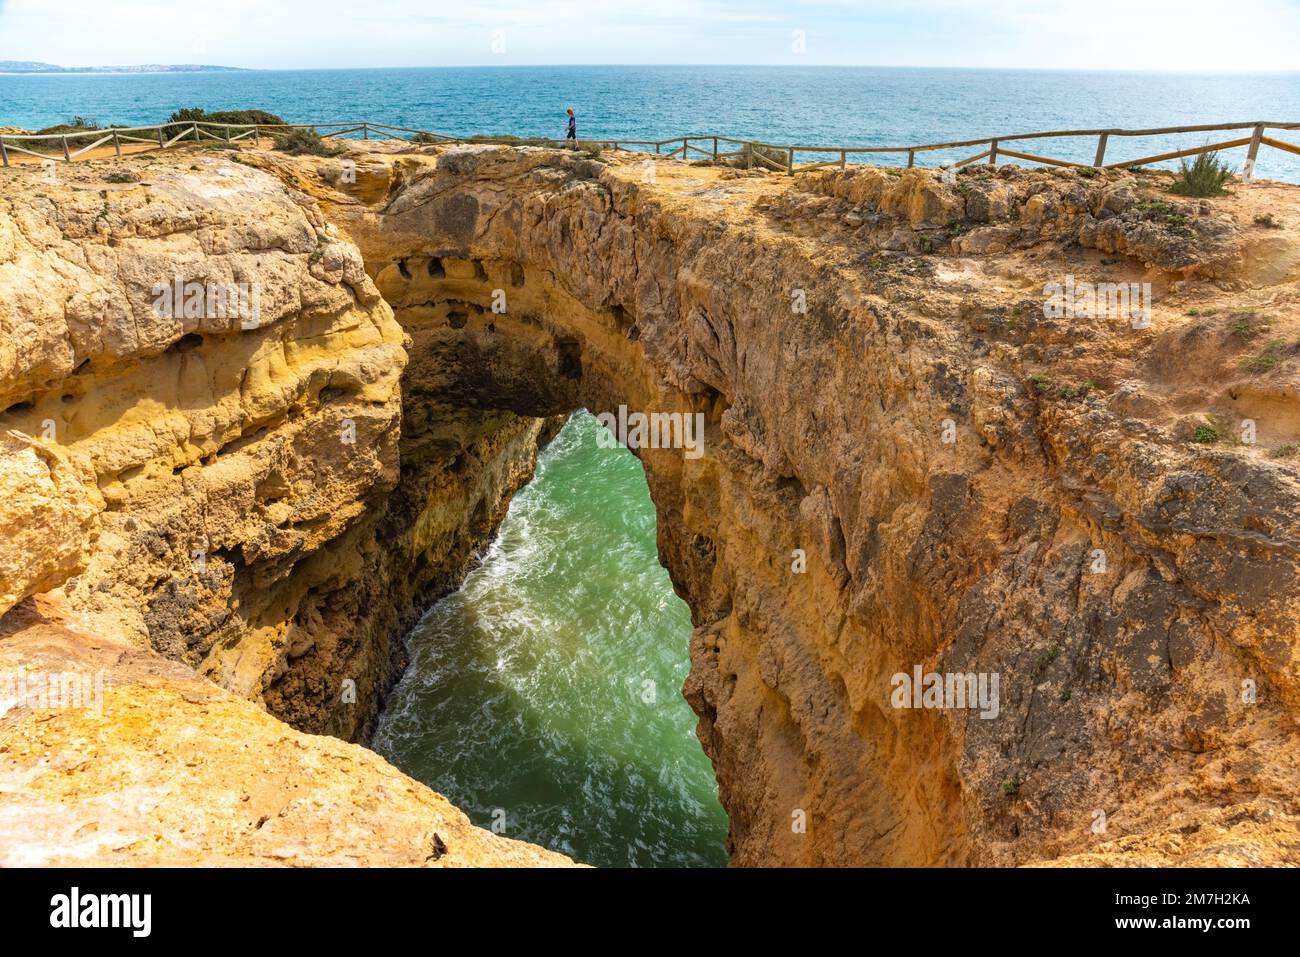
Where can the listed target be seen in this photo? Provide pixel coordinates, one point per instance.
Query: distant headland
(31, 66)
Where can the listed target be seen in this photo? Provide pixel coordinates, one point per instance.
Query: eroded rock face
(978, 488)
(159, 767)
(46, 519)
(907, 464)
(244, 468)
(230, 488)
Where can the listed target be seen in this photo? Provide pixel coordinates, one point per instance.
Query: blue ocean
(816, 106)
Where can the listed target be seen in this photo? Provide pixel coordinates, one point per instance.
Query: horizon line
(131, 68)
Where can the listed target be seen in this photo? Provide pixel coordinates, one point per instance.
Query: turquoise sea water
(831, 106)
(544, 696)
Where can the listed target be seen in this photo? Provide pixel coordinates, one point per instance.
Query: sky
(1167, 35)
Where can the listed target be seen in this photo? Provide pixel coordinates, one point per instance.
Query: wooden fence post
(365, 131)
(844, 159)
(4, 153)
(993, 152)
(1248, 172)
(227, 134)
(789, 162)
(1101, 150)
(715, 149)
(162, 143)
(911, 158)
(656, 149)
(117, 144)
(749, 155)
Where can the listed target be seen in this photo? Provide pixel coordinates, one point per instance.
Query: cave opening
(543, 696)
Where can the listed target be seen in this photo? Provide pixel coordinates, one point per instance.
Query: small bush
(304, 142)
(240, 121)
(1246, 325)
(1076, 391)
(1204, 177)
(511, 140)
(78, 124)
(1266, 359)
(780, 157)
(771, 154)
(1267, 221)
(424, 139)
(238, 117)
(1155, 206)
(1205, 435)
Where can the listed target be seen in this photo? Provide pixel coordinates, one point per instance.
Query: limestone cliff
(977, 487)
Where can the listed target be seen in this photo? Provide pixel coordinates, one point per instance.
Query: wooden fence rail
(775, 156)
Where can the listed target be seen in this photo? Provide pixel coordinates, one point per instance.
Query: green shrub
(78, 124)
(248, 118)
(1246, 324)
(1204, 177)
(1076, 391)
(1265, 359)
(1205, 435)
(424, 139)
(304, 142)
(240, 121)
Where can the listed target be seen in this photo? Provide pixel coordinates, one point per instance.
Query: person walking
(572, 134)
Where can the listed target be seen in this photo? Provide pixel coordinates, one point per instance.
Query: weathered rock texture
(1122, 689)
(233, 491)
(243, 475)
(168, 769)
(835, 330)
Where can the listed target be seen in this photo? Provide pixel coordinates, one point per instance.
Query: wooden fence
(752, 153)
